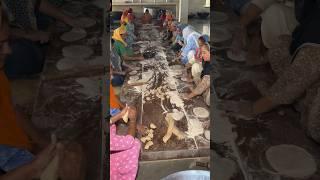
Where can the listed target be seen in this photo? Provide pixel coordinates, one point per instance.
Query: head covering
(117, 34)
(182, 26)
(124, 17)
(187, 31)
(205, 37)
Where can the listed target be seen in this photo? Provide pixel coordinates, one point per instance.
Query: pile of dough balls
(147, 140)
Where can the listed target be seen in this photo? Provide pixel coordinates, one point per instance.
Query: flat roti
(69, 63)
(201, 112)
(77, 52)
(74, 35)
(87, 22)
(177, 115)
(240, 58)
(291, 161)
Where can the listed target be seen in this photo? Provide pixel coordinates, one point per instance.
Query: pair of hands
(132, 116)
(132, 113)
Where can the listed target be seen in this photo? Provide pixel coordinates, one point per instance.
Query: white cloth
(191, 56)
(278, 19)
(196, 70)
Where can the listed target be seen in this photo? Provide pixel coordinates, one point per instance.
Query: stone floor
(160, 169)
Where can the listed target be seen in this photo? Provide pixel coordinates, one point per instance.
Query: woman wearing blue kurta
(190, 37)
(130, 30)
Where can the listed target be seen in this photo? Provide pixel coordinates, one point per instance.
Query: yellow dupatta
(117, 34)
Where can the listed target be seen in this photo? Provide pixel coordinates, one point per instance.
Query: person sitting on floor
(178, 42)
(124, 16)
(146, 18)
(295, 61)
(173, 30)
(29, 21)
(121, 47)
(131, 31)
(124, 149)
(119, 68)
(196, 65)
(19, 140)
(190, 37)
(277, 18)
(203, 83)
(162, 17)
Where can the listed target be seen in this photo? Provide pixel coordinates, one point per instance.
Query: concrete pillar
(183, 11)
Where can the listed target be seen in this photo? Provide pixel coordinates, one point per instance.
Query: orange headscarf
(11, 133)
(114, 102)
(117, 34)
(124, 17)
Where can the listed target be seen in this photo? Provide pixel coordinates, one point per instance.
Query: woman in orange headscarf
(124, 17)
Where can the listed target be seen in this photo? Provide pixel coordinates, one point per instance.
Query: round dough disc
(221, 34)
(74, 35)
(177, 115)
(240, 58)
(207, 134)
(87, 22)
(68, 63)
(291, 161)
(77, 52)
(201, 112)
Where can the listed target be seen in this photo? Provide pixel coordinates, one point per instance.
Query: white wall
(194, 5)
(197, 5)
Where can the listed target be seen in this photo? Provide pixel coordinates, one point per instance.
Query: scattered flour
(175, 99)
(194, 128)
